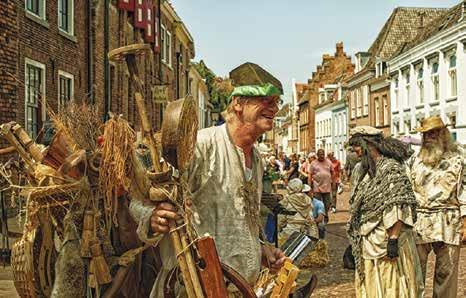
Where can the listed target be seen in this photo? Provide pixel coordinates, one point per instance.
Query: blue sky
(286, 37)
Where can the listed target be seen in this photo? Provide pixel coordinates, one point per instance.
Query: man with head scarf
(297, 201)
(383, 212)
(224, 183)
(436, 173)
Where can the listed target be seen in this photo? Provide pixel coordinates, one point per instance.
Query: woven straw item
(23, 266)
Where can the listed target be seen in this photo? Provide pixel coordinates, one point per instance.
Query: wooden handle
(210, 269)
(176, 242)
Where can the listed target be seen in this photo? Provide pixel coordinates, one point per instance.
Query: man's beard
(431, 153)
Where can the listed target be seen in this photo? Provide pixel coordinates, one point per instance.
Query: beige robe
(384, 278)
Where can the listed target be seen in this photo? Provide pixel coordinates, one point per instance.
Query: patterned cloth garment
(442, 201)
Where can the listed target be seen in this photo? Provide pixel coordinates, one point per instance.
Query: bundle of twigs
(80, 123)
(115, 165)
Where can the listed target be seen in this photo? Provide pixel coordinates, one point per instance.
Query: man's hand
(162, 213)
(392, 249)
(273, 258)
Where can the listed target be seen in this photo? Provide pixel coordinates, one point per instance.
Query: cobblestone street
(333, 281)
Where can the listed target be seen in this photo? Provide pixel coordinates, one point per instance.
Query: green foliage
(219, 88)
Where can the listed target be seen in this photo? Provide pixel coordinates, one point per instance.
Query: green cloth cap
(256, 90)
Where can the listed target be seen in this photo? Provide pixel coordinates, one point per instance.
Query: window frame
(365, 100)
(69, 15)
(40, 9)
(434, 76)
(452, 71)
(35, 105)
(67, 76)
(420, 84)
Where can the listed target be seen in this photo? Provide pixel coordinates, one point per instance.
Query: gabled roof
(252, 74)
(401, 27)
(446, 20)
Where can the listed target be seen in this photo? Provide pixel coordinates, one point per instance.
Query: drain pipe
(90, 60)
(107, 99)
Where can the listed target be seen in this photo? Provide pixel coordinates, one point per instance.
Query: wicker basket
(23, 265)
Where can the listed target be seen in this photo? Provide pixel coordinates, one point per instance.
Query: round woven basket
(179, 132)
(22, 265)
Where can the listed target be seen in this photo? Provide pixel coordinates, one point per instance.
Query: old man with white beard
(436, 174)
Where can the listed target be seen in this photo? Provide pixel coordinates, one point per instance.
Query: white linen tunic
(216, 181)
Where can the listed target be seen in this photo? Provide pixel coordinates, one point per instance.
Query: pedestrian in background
(436, 173)
(320, 177)
(336, 173)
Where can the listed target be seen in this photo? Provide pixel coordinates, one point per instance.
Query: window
(358, 103)
(452, 119)
(66, 16)
(452, 76)
(407, 87)
(420, 85)
(386, 111)
(36, 7)
(407, 126)
(353, 105)
(166, 46)
(65, 88)
(35, 87)
(435, 81)
(321, 97)
(395, 90)
(365, 98)
(377, 111)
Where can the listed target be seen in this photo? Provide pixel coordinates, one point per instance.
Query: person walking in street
(320, 177)
(436, 173)
(226, 203)
(293, 170)
(383, 213)
(336, 173)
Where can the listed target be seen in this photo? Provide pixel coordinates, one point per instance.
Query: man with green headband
(225, 185)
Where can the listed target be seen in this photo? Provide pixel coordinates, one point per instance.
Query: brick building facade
(328, 72)
(54, 51)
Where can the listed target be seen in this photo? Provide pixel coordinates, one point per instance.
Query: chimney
(421, 19)
(339, 49)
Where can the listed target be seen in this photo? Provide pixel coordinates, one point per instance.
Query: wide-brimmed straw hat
(431, 123)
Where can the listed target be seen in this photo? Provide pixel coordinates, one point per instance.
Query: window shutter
(149, 34)
(140, 14)
(157, 40)
(126, 5)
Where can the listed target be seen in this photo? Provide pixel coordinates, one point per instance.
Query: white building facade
(339, 129)
(324, 119)
(430, 79)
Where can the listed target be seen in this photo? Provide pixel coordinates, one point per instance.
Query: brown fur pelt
(115, 165)
(69, 268)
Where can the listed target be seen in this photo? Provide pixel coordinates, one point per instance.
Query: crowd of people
(402, 205)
